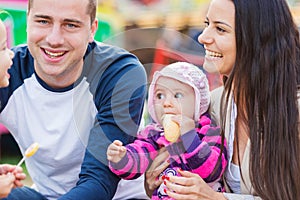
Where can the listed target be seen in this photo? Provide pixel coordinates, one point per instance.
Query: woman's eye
(178, 95)
(221, 29)
(206, 23)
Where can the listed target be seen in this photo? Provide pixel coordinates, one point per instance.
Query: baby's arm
(115, 151)
(199, 150)
(203, 150)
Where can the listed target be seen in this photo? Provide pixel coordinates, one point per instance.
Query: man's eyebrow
(73, 21)
(65, 20)
(42, 16)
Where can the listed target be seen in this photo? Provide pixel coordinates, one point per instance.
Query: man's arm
(119, 98)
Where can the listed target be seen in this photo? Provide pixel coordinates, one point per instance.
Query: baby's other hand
(115, 151)
(186, 123)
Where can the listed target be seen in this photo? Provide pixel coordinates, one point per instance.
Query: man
(73, 96)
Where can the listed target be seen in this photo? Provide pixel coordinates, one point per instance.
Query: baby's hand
(186, 123)
(115, 151)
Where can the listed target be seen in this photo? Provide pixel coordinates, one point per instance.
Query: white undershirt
(232, 172)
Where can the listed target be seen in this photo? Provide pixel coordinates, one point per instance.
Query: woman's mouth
(213, 54)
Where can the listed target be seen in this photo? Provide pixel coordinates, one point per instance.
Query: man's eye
(42, 21)
(71, 25)
(178, 95)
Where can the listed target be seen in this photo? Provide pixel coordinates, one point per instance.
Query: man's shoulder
(110, 58)
(108, 49)
(21, 49)
(23, 61)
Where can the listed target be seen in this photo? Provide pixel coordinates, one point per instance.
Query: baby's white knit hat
(189, 74)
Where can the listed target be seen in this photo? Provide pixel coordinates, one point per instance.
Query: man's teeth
(54, 54)
(213, 54)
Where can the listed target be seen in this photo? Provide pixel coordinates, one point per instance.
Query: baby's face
(6, 56)
(173, 97)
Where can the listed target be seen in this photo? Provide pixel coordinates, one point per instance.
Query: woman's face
(6, 56)
(218, 37)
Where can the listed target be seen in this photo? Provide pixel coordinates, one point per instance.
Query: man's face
(58, 34)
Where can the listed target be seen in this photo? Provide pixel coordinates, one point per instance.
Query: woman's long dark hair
(264, 82)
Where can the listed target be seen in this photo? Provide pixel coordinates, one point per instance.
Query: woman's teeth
(213, 54)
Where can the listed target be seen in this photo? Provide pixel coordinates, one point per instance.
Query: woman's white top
(232, 173)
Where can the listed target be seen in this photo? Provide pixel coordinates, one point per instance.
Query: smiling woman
(255, 46)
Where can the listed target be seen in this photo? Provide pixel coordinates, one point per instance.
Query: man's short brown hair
(91, 8)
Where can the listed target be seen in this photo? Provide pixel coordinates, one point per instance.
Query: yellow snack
(31, 149)
(171, 128)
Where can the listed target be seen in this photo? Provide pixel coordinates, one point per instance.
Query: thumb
(9, 177)
(118, 143)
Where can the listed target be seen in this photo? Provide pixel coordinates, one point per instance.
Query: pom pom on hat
(189, 74)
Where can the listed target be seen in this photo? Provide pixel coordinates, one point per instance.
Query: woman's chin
(210, 67)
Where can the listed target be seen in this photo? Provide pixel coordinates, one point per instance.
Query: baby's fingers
(118, 143)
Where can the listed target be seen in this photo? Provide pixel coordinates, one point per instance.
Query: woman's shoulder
(215, 102)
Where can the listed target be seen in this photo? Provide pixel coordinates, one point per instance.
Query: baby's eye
(160, 96)
(178, 95)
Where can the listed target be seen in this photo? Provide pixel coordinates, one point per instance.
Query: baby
(180, 94)
(10, 176)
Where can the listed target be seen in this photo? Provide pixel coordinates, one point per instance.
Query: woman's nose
(205, 37)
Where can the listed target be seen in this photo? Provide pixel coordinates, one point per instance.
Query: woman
(10, 176)
(255, 46)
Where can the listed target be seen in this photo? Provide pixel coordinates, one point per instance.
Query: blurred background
(158, 32)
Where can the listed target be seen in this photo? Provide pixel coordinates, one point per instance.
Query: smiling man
(73, 96)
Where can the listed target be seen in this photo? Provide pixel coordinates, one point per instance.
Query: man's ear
(94, 28)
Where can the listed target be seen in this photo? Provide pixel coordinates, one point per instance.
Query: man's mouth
(54, 54)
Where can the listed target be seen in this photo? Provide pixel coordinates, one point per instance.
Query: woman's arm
(159, 164)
